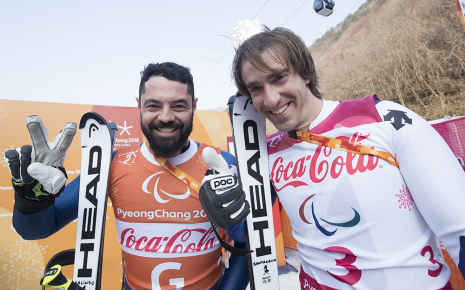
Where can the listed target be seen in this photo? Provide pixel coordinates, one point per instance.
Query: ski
(249, 136)
(96, 152)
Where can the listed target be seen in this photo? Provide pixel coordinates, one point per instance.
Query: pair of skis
(249, 132)
(96, 149)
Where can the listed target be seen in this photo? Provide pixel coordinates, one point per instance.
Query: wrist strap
(28, 206)
(228, 247)
(341, 145)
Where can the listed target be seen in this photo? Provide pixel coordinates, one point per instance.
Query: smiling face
(280, 94)
(166, 114)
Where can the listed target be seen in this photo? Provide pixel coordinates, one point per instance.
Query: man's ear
(194, 105)
(138, 102)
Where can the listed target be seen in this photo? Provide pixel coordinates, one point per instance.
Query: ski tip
(233, 98)
(231, 101)
(91, 115)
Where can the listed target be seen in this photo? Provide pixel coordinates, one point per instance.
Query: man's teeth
(282, 109)
(166, 130)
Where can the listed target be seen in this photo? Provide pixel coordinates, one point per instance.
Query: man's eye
(278, 78)
(254, 89)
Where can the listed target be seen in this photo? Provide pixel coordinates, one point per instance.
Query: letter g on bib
(156, 272)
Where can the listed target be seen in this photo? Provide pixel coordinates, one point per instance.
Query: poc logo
(222, 182)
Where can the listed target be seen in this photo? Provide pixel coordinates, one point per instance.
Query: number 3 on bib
(354, 274)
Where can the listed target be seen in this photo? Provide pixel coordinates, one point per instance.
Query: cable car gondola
(324, 7)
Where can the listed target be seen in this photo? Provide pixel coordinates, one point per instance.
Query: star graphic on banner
(125, 129)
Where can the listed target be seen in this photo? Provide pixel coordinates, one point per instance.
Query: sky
(92, 52)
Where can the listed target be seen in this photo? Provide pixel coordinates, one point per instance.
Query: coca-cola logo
(184, 241)
(320, 165)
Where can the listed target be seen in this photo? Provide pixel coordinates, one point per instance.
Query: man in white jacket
(367, 184)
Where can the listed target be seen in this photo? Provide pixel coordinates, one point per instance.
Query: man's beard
(167, 147)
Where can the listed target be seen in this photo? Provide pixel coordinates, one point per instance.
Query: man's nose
(271, 97)
(166, 115)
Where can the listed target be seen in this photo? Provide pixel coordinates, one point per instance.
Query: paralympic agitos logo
(351, 223)
(157, 190)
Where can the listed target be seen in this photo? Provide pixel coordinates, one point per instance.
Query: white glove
(47, 156)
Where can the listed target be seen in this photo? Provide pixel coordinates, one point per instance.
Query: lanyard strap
(188, 180)
(343, 145)
(179, 173)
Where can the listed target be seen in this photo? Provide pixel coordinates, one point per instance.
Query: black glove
(37, 172)
(221, 194)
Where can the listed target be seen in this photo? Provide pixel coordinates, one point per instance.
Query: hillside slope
(410, 52)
